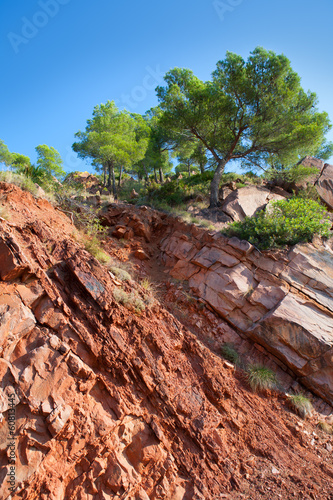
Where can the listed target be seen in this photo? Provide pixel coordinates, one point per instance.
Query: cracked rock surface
(113, 404)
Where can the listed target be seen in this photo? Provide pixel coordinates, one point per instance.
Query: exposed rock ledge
(282, 300)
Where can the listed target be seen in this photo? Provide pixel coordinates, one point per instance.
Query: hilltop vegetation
(174, 156)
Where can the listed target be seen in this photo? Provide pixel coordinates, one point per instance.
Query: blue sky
(59, 58)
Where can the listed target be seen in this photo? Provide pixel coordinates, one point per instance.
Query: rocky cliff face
(283, 301)
(100, 402)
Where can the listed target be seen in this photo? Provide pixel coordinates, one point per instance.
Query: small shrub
(127, 187)
(309, 193)
(120, 273)
(147, 285)
(93, 246)
(207, 224)
(121, 296)
(137, 303)
(130, 300)
(19, 180)
(324, 426)
(301, 404)
(287, 222)
(261, 378)
(229, 353)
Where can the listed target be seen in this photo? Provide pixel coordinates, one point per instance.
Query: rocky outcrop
(324, 185)
(99, 402)
(282, 300)
(311, 161)
(248, 201)
(84, 180)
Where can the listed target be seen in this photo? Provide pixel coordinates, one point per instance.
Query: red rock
(247, 201)
(119, 232)
(209, 256)
(141, 254)
(137, 406)
(324, 185)
(13, 263)
(58, 419)
(16, 319)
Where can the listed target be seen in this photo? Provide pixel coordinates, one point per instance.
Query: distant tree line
(48, 168)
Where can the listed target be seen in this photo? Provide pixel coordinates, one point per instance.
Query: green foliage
(179, 191)
(93, 246)
(127, 187)
(292, 174)
(301, 404)
(19, 180)
(261, 378)
(309, 193)
(114, 139)
(147, 285)
(130, 300)
(157, 156)
(5, 155)
(20, 163)
(286, 222)
(229, 352)
(324, 426)
(49, 161)
(250, 110)
(120, 273)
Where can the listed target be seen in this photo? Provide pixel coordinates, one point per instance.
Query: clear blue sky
(59, 58)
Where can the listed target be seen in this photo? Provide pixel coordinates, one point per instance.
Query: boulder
(248, 201)
(141, 254)
(324, 185)
(119, 232)
(300, 334)
(311, 161)
(134, 194)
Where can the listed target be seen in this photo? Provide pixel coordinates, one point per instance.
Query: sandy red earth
(117, 403)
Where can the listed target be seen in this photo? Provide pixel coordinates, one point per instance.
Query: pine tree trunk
(114, 190)
(120, 176)
(161, 175)
(104, 175)
(215, 184)
(155, 174)
(109, 176)
(112, 180)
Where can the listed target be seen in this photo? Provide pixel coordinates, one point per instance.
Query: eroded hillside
(113, 403)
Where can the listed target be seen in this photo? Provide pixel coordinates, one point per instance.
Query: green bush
(179, 191)
(301, 404)
(130, 300)
(120, 273)
(127, 187)
(261, 378)
(286, 222)
(324, 426)
(19, 180)
(93, 246)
